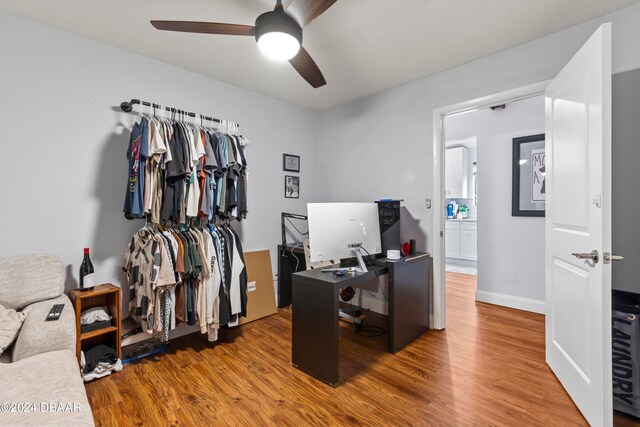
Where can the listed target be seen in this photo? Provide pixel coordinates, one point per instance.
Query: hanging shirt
(141, 266)
(137, 154)
(157, 148)
(237, 266)
(212, 291)
(175, 173)
(243, 277)
(193, 196)
(225, 271)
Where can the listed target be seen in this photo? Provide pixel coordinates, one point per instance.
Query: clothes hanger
(157, 110)
(163, 119)
(140, 114)
(142, 110)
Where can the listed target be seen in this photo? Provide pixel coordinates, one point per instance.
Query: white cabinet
(456, 173)
(452, 239)
(469, 240)
(461, 240)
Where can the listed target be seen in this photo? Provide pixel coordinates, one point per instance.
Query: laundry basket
(625, 334)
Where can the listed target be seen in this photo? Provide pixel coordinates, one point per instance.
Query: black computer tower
(389, 214)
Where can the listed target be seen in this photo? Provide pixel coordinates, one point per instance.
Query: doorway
(482, 232)
(440, 117)
(461, 200)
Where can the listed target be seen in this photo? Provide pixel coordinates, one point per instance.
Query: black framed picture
(291, 187)
(290, 163)
(528, 187)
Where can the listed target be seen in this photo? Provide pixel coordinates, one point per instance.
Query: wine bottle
(86, 272)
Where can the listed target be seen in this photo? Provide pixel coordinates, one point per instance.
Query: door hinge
(441, 234)
(597, 200)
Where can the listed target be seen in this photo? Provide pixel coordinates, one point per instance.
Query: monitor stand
(361, 269)
(363, 266)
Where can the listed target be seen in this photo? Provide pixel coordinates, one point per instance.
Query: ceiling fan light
(279, 46)
(278, 35)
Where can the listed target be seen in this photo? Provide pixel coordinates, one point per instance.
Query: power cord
(366, 331)
(297, 246)
(296, 228)
(380, 287)
(296, 257)
(371, 331)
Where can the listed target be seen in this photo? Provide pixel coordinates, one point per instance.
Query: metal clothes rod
(128, 107)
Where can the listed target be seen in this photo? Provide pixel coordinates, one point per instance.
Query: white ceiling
(361, 46)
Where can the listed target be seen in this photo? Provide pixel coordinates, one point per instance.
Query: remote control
(55, 312)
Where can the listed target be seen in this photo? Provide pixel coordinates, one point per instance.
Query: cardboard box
(260, 293)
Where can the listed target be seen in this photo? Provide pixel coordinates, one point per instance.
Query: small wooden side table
(107, 295)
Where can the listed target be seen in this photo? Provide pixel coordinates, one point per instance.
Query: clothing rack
(128, 107)
(226, 183)
(189, 284)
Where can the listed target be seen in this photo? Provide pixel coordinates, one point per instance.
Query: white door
(578, 220)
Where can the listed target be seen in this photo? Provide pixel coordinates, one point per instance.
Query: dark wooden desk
(315, 337)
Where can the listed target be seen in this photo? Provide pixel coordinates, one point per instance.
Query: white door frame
(438, 181)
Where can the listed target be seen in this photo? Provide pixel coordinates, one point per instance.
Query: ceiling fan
(278, 33)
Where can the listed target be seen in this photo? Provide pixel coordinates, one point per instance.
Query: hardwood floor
(486, 368)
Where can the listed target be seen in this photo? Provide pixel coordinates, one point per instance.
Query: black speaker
(389, 214)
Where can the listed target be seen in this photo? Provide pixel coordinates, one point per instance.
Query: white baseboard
(526, 304)
(461, 262)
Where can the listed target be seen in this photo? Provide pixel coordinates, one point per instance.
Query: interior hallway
(487, 368)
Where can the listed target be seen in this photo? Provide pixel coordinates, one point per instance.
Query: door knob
(593, 255)
(607, 258)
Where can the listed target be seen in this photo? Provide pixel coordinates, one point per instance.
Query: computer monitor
(343, 230)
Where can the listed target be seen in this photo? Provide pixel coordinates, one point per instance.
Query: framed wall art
(291, 187)
(290, 163)
(528, 187)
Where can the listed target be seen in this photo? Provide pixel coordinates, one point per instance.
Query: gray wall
(64, 141)
(381, 145)
(510, 249)
(625, 177)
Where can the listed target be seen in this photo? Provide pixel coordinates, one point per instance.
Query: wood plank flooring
(486, 368)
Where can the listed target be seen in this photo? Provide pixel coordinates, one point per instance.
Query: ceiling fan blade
(307, 68)
(205, 27)
(305, 11)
